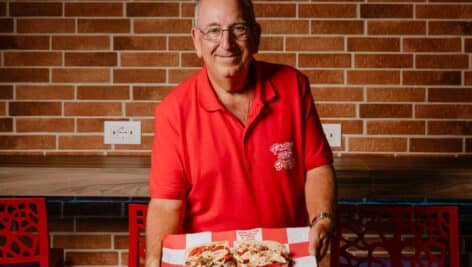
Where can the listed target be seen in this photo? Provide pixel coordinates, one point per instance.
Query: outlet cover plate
(333, 132)
(122, 132)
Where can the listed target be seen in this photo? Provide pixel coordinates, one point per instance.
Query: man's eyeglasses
(213, 33)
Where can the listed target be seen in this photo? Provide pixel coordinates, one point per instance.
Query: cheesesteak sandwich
(215, 254)
(260, 254)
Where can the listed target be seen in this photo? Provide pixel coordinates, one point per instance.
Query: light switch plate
(333, 132)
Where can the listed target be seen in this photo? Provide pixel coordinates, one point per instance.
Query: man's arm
(163, 217)
(320, 197)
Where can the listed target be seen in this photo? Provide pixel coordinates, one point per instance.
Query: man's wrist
(321, 216)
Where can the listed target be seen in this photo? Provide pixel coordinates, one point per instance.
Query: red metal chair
(136, 240)
(24, 237)
(394, 236)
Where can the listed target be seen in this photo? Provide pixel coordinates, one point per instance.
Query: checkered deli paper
(294, 238)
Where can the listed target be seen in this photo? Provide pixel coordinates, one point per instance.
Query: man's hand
(320, 237)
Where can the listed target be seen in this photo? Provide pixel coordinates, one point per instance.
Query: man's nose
(226, 39)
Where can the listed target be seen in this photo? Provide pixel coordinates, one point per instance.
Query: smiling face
(227, 57)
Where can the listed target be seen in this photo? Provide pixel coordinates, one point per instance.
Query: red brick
(6, 124)
(139, 43)
(57, 224)
(396, 127)
(82, 241)
(450, 95)
(3, 108)
(139, 75)
(397, 27)
(27, 142)
(3, 9)
(120, 242)
(162, 26)
(442, 61)
(384, 61)
(6, 92)
(338, 93)
(396, 94)
(431, 77)
(348, 126)
(45, 25)
(468, 45)
(450, 27)
(386, 11)
(103, 224)
(32, 58)
(373, 44)
(92, 258)
(468, 145)
(325, 76)
(281, 58)
(314, 43)
(188, 10)
(269, 43)
(450, 127)
(35, 9)
(443, 111)
(373, 77)
(92, 109)
(149, 59)
(336, 110)
(150, 92)
(140, 109)
(90, 125)
(24, 75)
(94, 9)
(337, 27)
(90, 59)
(24, 42)
(35, 108)
(80, 42)
(47, 92)
(435, 145)
(82, 142)
(468, 77)
(179, 75)
(367, 144)
(104, 26)
(190, 60)
(152, 9)
(91, 75)
(432, 44)
(327, 11)
(181, 43)
(44, 125)
(103, 92)
(6, 25)
(453, 11)
(273, 26)
(268, 9)
(147, 126)
(146, 144)
(324, 60)
(385, 110)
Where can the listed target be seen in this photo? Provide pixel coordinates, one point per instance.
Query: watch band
(321, 216)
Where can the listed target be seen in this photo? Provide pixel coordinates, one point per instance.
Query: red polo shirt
(233, 176)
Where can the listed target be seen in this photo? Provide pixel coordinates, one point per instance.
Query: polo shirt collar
(264, 89)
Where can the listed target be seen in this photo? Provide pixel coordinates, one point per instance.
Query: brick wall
(395, 74)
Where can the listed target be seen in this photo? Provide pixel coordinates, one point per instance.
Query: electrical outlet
(122, 132)
(332, 132)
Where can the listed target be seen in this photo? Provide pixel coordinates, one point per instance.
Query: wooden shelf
(405, 178)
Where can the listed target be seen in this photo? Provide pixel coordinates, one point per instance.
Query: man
(238, 145)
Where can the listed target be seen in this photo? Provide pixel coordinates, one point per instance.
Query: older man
(238, 145)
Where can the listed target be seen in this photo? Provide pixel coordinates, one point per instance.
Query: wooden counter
(365, 177)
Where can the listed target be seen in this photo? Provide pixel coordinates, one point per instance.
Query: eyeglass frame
(229, 29)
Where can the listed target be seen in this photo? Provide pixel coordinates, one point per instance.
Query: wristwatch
(321, 216)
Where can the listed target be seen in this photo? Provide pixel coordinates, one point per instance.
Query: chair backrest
(395, 236)
(24, 236)
(136, 240)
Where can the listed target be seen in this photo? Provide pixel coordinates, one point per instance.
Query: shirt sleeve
(167, 179)
(317, 149)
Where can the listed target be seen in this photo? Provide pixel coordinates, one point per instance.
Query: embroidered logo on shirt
(284, 153)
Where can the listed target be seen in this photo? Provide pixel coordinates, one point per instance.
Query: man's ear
(256, 32)
(196, 43)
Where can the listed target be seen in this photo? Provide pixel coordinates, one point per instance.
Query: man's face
(227, 57)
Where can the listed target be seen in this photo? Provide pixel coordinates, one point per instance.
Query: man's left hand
(320, 237)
